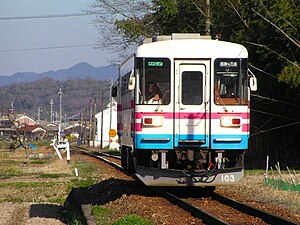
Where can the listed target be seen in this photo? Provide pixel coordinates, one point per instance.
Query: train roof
(190, 46)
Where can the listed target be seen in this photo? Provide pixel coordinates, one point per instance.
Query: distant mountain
(79, 71)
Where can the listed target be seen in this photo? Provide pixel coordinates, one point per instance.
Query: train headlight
(153, 121)
(229, 121)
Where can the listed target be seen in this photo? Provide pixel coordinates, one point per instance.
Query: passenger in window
(155, 99)
(151, 90)
(230, 90)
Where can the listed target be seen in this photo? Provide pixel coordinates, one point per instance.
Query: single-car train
(184, 111)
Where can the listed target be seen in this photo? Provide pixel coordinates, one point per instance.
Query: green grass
(280, 184)
(40, 191)
(14, 199)
(53, 175)
(23, 184)
(128, 220)
(8, 172)
(86, 182)
(85, 170)
(9, 161)
(4, 144)
(4, 155)
(103, 216)
(38, 161)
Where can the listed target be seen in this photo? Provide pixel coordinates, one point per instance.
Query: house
(6, 128)
(109, 123)
(24, 119)
(32, 132)
(10, 122)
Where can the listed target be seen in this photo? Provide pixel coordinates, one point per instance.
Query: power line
(262, 71)
(47, 16)
(275, 128)
(275, 115)
(274, 100)
(46, 48)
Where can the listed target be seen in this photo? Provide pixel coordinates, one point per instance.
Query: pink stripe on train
(139, 127)
(191, 115)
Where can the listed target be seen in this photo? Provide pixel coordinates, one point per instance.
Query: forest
(269, 29)
(77, 94)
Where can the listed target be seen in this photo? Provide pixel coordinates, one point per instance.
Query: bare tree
(109, 16)
(20, 138)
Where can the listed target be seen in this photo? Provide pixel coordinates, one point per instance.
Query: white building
(109, 123)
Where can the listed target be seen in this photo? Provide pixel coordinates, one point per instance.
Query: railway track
(229, 211)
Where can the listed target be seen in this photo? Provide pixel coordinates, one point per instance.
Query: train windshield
(153, 80)
(230, 82)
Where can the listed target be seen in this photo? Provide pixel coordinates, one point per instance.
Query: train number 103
(227, 178)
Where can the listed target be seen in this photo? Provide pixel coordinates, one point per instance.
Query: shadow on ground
(49, 211)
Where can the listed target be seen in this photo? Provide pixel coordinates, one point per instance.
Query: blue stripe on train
(223, 141)
(166, 141)
(154, 141)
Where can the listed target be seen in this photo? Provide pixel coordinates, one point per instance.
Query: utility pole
(56, 116)
(90, 122)
(94, 121)
(51, 110)
(207, 18)
(12, 108)
(39, 114)
(84, 117)
(111, 110)
(60, 113)
(80, 132)
(102, 106)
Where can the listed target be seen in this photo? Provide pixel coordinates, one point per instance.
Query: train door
(191, 102)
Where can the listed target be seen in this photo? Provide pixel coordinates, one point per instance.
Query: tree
(267, 28)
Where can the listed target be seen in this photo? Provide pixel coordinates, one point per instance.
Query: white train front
(183, 111)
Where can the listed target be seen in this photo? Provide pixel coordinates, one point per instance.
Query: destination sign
(228, 64)
(155, 64)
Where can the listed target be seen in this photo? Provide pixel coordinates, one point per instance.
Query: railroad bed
(126, 196)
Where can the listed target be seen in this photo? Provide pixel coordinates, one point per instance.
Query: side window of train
(124, 83)
(192, 88)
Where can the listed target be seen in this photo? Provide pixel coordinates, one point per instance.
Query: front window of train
(153, 80)
(230, 86)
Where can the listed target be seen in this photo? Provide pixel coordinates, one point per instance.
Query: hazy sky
(45, 34)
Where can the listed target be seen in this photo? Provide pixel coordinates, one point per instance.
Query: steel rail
(206, 217)
(250, 210)
(195, 211)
